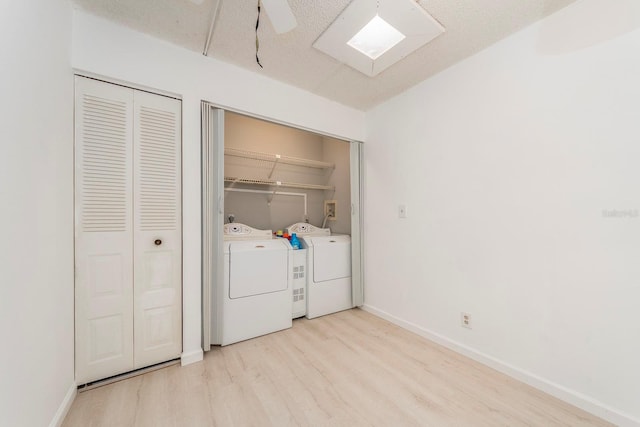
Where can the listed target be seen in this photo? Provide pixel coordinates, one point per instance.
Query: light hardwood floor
(346, 369)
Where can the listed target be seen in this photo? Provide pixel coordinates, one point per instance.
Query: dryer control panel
(303, 229)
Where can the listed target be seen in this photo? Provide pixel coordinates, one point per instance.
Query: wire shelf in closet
(277, 158)
(268, 182)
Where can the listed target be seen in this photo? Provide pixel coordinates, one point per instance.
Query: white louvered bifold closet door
(157, 232)
(128, 229)
(104, 230)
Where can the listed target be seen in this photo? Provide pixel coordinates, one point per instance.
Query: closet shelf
(277, 158)
(272, 183)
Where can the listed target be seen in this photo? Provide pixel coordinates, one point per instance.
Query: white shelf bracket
(231, 184)
(273, 193)
(275, 163)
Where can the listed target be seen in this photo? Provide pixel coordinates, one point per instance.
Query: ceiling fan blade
(280, 15)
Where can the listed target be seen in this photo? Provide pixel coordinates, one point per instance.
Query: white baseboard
(191, 357)
(64, 407)
(563, 393)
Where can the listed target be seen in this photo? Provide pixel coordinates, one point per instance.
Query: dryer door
(257, 267)
(331, 258)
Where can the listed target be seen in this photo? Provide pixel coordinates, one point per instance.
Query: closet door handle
(157, 242)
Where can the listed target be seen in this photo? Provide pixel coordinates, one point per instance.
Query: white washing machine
(257, 281)
(328, 269)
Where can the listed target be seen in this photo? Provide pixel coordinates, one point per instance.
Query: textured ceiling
(471, 25)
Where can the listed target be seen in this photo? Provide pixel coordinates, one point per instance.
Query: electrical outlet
(330, 210)
(465, 320)
(402, 211)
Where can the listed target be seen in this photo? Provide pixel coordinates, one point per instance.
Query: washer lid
(258, 246)
(257, 267)
(330, 240)
(331, 257)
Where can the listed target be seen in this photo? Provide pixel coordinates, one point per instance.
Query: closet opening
(275, 176)
(263, 182)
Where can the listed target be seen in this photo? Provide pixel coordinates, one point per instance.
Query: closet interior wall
(268, 211)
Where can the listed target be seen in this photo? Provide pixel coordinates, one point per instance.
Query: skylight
(385, 32)
(375, 38)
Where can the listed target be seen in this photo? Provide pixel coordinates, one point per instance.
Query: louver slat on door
(128, 274)
(158, 174)
(104, 165)
(104, 230)
(157, 233)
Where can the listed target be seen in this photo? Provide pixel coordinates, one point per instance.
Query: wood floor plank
(347, 369)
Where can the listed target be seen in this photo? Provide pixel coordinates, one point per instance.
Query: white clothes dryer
(328, 269)
(257, 281)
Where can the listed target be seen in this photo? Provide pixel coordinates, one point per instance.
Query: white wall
(506, 162)
(36, 190)
(118, 53)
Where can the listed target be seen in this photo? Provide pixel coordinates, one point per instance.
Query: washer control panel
(238, 231)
